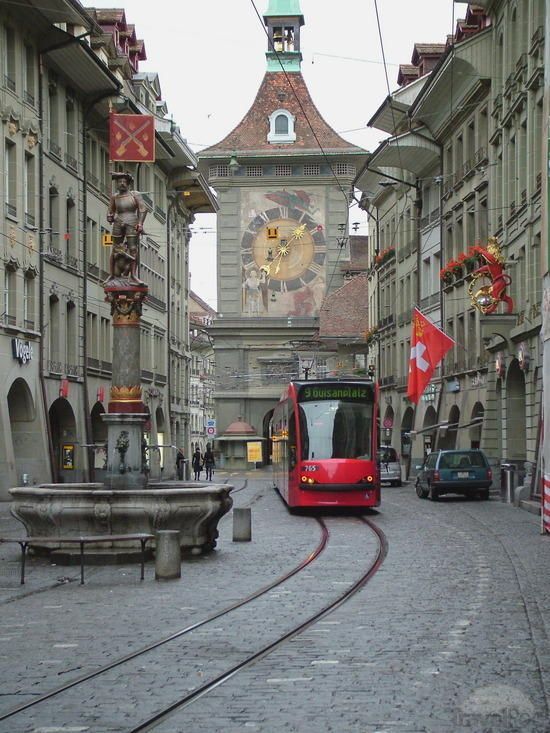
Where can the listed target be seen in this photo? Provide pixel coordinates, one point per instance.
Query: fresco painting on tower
(283, 252)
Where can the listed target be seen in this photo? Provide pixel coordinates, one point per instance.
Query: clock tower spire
(284, 19)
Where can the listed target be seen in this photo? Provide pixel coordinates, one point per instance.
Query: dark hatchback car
(464, 472)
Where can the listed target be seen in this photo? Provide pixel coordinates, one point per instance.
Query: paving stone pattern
(450, 635)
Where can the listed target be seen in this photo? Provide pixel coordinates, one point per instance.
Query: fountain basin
(53, 510)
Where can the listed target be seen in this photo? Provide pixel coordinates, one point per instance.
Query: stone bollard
(242, 525)
(167, 554)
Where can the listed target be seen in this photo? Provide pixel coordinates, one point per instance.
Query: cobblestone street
(449, 635)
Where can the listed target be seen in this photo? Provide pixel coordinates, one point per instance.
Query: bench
(81, 540)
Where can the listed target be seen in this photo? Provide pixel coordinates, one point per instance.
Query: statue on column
(127, 212)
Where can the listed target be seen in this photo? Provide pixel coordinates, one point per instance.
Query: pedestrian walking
(209, 463)
(197, 464)
(180, 463)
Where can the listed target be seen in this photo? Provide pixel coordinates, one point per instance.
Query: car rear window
(387, 455)
(462, 460)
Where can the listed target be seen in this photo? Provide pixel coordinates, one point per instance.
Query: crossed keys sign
(128, 133)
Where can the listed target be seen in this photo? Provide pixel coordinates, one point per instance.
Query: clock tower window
(281, 127)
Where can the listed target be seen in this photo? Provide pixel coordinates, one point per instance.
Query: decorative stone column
(127, 413)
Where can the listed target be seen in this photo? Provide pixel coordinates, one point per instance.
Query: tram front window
(335, 429)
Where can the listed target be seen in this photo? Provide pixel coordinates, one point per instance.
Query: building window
(70, 233)
(281, 127)
(10, 178)
(255, 171)
(283, 170)
(29, 75)
(71, 338)
(28, 300)
(53, 103)
(9, 297)
(54, 339)
(344, 169)
(29, 189)
(71, 132)
(218, 171)
(9, 58)
(312, 169)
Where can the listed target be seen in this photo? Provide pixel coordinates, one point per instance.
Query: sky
(210, 57)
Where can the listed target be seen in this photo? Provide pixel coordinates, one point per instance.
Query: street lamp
(307, 366)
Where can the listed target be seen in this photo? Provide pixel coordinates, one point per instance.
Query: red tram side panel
(324, 440)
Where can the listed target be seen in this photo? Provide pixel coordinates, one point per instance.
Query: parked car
(464, 472)
(390, 467)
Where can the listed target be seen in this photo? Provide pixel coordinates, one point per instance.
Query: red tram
(324, 440)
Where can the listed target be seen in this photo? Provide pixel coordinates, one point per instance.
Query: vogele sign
(22, 350)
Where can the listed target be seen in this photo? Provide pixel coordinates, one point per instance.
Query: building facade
(202, 379)
(63, 71)
(475, 124)
(283, 178)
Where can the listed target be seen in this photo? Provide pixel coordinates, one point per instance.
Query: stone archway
(516, 448)
(63, 429)
(447, 438)
(429, 436)
(475, 430)
(29, 448)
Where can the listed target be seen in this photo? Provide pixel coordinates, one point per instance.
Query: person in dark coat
(180, 463)
(197, 464)
(209, 463)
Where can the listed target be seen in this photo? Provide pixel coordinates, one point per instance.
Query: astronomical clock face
(283, 253)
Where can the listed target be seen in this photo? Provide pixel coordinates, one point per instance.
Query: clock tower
(283, 178)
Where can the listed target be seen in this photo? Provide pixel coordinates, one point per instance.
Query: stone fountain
(125, 503)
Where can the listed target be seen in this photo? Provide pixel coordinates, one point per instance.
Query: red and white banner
(545, 508)
(132, 138)
(428, 346)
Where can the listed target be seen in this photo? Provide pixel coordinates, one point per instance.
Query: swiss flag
(428, 346)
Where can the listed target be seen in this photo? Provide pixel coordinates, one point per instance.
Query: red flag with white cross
(428, 346)
(132, 138)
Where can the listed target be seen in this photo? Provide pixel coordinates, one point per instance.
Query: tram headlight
(367, 479)
(307, 480)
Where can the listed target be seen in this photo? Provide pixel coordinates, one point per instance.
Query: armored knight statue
(127, 212)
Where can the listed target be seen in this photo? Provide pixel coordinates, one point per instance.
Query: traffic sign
(211, 431)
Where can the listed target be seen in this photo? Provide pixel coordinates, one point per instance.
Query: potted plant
(446, 276)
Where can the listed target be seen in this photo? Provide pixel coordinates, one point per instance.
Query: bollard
(507, 482)
(167, 554)
(242, 525)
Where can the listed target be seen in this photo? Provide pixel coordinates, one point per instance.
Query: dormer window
(281, 127)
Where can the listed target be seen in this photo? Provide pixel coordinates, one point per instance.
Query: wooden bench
(81, 540)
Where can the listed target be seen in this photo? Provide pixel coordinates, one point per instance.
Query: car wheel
(483, 494)
(398, 483)
(420, 491)
(434, 494)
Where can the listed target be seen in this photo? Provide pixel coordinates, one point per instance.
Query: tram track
(218, 677)
(186, 700)
(304, 563)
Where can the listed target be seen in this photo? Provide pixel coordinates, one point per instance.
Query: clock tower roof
(290, 94)
(283, 9)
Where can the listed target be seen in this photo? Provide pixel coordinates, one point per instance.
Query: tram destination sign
(21, 350)
(347, 392)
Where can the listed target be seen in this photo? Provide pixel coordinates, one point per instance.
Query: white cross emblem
(417, 355)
